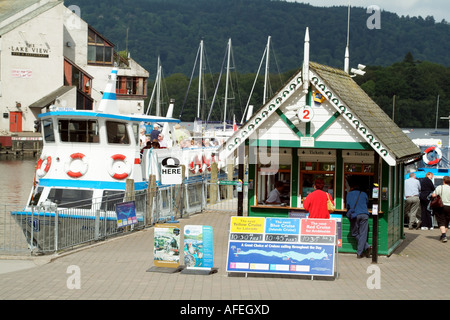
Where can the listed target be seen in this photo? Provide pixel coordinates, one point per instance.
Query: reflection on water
(16, 180)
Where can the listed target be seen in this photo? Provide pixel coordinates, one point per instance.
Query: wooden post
(241, 159)
(213, 184)
(179, 194)
(151, 192)
(129, 196)
(230, 173)
(376, 201)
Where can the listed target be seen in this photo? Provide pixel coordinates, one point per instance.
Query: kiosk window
(363, 174)
(310, 171)
(268, 177)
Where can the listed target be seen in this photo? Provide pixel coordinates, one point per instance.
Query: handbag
(351, 213)
(436, 202)
(330, 206)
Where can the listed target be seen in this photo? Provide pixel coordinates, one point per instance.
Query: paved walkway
(117, 269)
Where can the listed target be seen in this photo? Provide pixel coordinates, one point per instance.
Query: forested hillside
(173, 29)
(407, 58)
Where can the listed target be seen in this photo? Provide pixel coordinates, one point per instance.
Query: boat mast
(347, 53)
(437, 111)
(267, 70)
(200, 80)
(226, 86)
(157, 89)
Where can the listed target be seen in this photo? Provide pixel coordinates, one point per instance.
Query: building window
(131, 86)
(100, 50)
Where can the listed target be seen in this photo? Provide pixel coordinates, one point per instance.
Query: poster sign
(126, 214)
(282, 246)
(166, 252)
(198, 247)
(171, 172)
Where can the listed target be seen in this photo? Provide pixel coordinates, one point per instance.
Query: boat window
(49, 134)
(71, 198)
(136, 133)
(117, 132)
(36, 196)
(78, 131)
(110, 199)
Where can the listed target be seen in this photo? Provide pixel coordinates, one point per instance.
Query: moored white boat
(86, 160)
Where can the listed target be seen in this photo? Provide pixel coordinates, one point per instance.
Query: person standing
(412, 202)
(426, 188)
(316, 202)
(356, 205)
(443, 214)
(155, 133)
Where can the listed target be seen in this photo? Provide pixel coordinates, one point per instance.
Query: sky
(439, 9)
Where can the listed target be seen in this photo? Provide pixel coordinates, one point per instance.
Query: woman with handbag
(443, 214)
(316, 202)
(358, 213)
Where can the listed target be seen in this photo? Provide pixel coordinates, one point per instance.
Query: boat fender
(48, 162)
(82, 172)
(435, 161)
(194, 165)
(126, 169)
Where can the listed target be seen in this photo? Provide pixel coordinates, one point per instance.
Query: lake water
(16, 180)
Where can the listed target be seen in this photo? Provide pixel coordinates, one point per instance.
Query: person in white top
(443, 214)
(162, 143)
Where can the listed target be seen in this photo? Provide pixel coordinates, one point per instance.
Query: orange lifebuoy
(48, 162)
(126, 169)
(82, 172)
(435, 161)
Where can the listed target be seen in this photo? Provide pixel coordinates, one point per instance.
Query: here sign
(171, 172)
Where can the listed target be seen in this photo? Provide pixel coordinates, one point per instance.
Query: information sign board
(126, 214)
(282, 246)
(198, 247)
(166, 252)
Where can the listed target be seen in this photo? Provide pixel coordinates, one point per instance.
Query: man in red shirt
(316, 202)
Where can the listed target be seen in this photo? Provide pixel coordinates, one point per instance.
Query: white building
(50, 56)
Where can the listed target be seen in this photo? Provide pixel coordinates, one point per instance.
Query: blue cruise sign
(282, 246)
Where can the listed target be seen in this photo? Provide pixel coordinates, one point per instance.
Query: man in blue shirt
(412, 201)
(357, 212)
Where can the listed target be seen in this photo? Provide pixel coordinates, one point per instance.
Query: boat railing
(54, 227)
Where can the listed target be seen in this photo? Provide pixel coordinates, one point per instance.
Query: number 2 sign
(305, 114)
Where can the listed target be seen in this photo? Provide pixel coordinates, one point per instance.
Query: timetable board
(282, 246)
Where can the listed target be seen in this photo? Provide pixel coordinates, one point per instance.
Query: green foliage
(172, 30)
(415, 85)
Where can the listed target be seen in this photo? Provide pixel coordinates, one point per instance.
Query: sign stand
(166, 249)
(198, 250)
(165, 269)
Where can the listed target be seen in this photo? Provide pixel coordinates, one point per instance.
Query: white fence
(52, 229)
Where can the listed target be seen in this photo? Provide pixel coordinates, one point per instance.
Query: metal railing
(48, 228)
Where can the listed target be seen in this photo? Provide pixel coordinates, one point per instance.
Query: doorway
(15, 121)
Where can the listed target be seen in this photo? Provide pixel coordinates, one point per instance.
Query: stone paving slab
(117, 269)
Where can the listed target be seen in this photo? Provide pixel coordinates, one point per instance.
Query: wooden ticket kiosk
(321, 124)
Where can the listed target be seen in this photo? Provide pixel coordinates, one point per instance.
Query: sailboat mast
(200, 80)
(158, 91)
(226, 86)
(437, 112)
(267, 71)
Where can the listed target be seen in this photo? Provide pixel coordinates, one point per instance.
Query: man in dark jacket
(358, 213)
(426, 187)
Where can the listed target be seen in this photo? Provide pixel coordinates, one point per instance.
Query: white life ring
(119, 161)
(48, 162)
(435, 161)
(84, 167)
